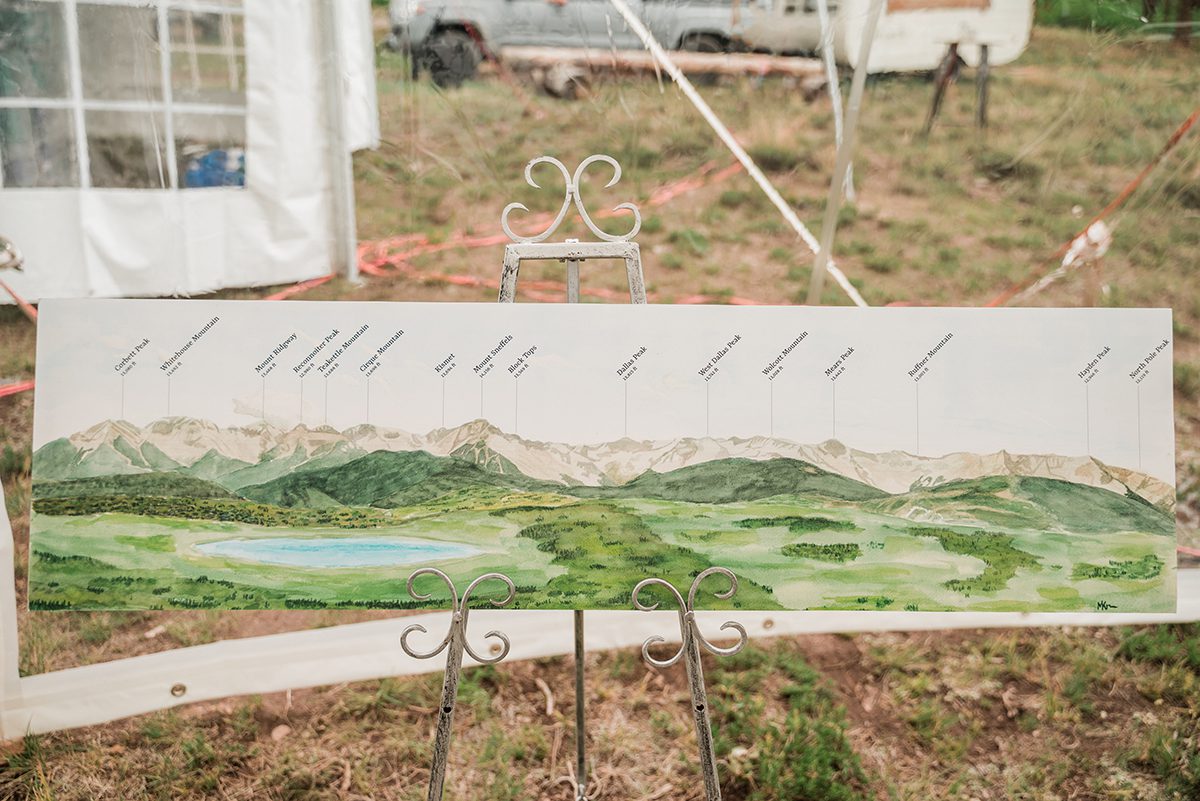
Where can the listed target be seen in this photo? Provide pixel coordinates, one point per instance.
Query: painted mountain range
(241, 457)
(182, 513)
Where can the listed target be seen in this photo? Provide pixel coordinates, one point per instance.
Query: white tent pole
(345, 239)
(165, 53)
(835, 90)
(833, 202)
(660, 55)
(75, 74)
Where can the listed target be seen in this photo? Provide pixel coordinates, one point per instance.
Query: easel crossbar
(562, 251)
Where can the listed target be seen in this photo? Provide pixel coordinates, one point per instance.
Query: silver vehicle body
(570, 23)
(912, 34)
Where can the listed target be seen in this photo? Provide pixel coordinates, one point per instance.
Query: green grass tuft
(783, 740)
(773, 158)
(691, 241)
(1187, 380)
(1163, 645)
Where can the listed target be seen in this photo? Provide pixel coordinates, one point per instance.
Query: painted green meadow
(797, 536)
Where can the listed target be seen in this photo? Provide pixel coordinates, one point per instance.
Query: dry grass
(985, 715)
(1051, 714)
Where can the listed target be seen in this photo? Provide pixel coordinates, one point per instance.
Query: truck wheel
(450, 57)
(703, 43)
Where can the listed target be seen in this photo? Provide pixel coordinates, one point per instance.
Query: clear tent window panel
(90, 93)
(32, 42)
(37, 148)
(125, 150)
(208, 57)
(119, 53)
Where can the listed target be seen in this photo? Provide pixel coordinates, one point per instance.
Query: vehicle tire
(703, 43)
(450, 57)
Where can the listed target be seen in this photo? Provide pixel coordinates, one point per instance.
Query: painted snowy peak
(240, 456)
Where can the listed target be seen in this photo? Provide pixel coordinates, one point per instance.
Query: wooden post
(640, 61)
(945, 74)
(981, 83)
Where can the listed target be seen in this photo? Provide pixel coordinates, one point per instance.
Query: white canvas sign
(225, 454)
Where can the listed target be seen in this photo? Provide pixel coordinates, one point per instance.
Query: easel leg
(633, 268)
(455, 644)
(981, 83)
(945, 74)
(704, 737)
(689, 651)
(441, 743)
(580, 717)
(572, 280)
(508, 276)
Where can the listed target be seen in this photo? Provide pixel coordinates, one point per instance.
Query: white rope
(660, 55)
(1086, 249)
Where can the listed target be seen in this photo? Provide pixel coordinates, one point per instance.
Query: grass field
(1032, 714)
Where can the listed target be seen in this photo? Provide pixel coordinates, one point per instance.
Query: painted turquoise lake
(333, 552)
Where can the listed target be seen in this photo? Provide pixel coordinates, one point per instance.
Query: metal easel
(689, 649)
(573, 253)
(456, 641)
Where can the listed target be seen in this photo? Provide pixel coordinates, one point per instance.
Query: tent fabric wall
(360, 100)
(277, 229)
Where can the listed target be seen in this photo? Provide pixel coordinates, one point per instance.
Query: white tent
(158, 147)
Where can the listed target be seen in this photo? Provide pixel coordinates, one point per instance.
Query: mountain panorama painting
(248, 455)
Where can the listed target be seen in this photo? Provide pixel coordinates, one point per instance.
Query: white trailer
(912, 35)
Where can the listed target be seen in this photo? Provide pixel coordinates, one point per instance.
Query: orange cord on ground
(24, 305)
(13, 389)
(1117, 202)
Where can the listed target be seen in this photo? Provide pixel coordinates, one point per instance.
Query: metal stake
(692, 641)
(580, 727)
(981, 84)
(456, 641)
